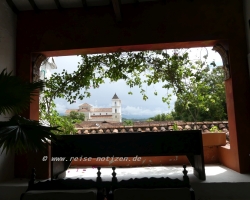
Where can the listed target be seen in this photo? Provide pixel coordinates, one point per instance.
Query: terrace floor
(221, 184)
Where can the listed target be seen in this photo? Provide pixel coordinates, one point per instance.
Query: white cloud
(139, 111)
(130, 110)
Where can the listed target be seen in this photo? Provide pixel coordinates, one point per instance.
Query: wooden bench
(143, 188)
(169, 143)
(151, 188)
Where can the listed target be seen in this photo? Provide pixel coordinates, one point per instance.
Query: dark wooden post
(99, 179)
(32, 179)
(114, 178)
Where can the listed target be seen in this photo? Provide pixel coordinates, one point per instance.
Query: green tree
(163, 117)
(94, 69)
(50, 117)
(128, 122)
(204, 99)
(76, 117)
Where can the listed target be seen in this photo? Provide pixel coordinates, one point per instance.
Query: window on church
(115, 116)
(100, 113)
(106, 113)
(115, 103)
(115, 110)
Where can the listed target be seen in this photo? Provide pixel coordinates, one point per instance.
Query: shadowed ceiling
(38, 5)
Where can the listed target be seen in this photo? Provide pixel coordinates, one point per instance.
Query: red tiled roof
(85, 105)
(83, 110)
(78, 126)
(154, 126)
(69, 110)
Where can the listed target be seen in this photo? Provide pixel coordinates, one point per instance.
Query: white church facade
(101, 114)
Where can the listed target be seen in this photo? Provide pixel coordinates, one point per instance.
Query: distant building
(101, 114)
(46, 67)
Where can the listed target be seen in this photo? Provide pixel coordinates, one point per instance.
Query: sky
(133, 106)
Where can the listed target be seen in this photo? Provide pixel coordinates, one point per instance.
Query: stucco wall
(7, 60)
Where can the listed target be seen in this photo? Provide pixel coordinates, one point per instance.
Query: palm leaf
(15, 94)
(22, 135)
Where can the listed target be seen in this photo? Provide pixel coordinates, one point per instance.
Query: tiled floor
(214, 173)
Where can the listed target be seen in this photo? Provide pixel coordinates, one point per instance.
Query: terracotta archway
(39, 59)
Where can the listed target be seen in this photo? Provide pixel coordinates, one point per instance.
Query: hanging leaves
(186, 78)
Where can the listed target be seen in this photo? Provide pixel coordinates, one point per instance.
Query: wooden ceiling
(39, 5)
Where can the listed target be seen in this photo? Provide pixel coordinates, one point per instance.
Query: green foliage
(175, 127)
(53, 119)
(163, 117)
(203, 99)
(19, 134)
(66, 125)
(16, 95)
(94, 69)
(214, 129)
(76, 117)
(128, 122)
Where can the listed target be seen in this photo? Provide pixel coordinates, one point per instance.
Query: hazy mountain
(136, 117)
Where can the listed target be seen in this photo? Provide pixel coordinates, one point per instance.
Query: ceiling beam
(117, 10)
(12, 6)
(34, 6)
(58, 4)
(84, 3)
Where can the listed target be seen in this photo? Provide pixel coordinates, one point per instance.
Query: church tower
(116, 109)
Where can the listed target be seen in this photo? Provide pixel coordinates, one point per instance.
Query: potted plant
(214, 138)
(19, 135)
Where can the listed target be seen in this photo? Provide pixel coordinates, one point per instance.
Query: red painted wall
(148, 26)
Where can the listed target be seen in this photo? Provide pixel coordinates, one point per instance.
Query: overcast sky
(132, 105)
